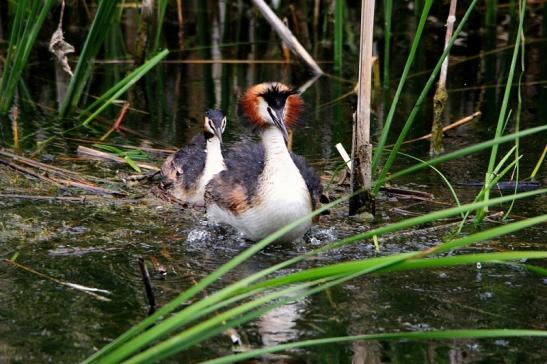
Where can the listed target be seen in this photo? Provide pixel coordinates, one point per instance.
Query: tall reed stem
(361, 173)
(441, 96)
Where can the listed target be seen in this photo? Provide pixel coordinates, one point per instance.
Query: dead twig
(406, 192)
(97, 154)
(118, 122)
(59, 177)
(87, 290)
(81, 199)
(29, 172)
(78, 199)
(454, 125)
(64, 173)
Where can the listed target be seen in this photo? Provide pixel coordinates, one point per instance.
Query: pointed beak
(278, 117)
(218, 134)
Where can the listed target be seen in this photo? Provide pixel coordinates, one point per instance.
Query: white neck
(214, 162)
(274, 143)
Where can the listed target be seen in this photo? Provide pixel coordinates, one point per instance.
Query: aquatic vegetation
(29, 18)
(86, 221)
(312, 281)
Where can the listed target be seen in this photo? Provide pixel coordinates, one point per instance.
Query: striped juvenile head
(214, 124)
(270, 104)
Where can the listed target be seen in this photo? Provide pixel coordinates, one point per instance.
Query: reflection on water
(279, 325)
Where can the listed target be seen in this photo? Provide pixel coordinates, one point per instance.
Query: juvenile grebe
(185, 173)
(264, 187)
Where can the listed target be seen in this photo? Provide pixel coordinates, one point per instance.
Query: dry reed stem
(97, 154)
(118, 122)
(454, 125)
(286, 35)
(361, 176)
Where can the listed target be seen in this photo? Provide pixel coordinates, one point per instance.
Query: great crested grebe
(185, 173)
(265, 187)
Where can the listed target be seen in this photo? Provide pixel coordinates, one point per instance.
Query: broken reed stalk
(97, 154)
(286, 35)
(118, 122)
(147, 286)
(454, 125)
(361, 152)
(441, 96)
(58, 177)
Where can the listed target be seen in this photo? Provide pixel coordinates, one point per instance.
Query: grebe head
(214, 124)
(270, 104)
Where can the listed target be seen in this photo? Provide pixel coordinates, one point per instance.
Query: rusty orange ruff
(249, 104)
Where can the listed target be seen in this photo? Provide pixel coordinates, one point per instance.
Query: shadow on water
(97, 243)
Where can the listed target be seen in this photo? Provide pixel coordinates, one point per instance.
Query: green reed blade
(418, 103)
(388, 10)
(378, 151)
(503, 111)
(338, 34)
(420, 335)
(121, 87)
(464, 151)
(106, 13)
(25, 29)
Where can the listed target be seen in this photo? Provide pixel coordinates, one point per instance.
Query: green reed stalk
(503, 111)
(389, 119)
(339, 6)
(538, 164)
(443, 177)
(491, 13)
(424, 335)
(516, 172)
(121, 87)
(162, 7)
(388, 10)
(492, 184)
(102, 22)
(418, 104)
(464, 151)
(29, 18)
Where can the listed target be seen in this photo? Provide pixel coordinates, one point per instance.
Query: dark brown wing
(235, 187)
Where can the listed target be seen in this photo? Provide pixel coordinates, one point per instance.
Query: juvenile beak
(218, 134)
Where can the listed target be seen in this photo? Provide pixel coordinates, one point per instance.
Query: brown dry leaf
(60, 48)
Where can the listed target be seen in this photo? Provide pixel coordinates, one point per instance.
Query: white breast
(281, 198)
(214, 163)
(284, 198)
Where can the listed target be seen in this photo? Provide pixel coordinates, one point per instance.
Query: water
(97, 243)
